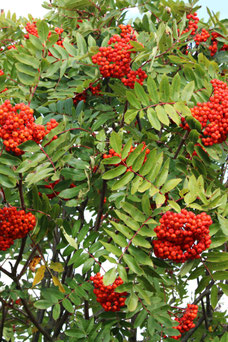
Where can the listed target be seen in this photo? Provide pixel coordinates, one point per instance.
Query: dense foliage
(113, 173)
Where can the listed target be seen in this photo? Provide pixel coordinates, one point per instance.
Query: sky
(24, 7)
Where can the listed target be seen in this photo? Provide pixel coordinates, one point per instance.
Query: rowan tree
(113, 173)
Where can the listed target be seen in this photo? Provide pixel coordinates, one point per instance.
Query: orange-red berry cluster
(186, 321)
(95, 90)
(202, 37)
(192, 23)
(31, 29)
(112, 153)
(17, 126)
(213, 115)
(214, 43)
(14, 225)
(182, 236)
(115, 60)
(106, 295)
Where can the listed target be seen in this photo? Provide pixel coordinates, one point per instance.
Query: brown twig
(101, 207)
(136, 233)
(181, 144)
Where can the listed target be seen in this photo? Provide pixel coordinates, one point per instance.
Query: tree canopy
(113, 173)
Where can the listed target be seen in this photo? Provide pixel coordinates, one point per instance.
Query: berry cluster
(186, 321)
(214, 43)
(106, 295)
(17, 126)
(115, 61)
(213, 115)
(112, 153)
(31, 29)
(95, 90)
(203, 37)
(192, 24)
(14, 225)
(182, 236)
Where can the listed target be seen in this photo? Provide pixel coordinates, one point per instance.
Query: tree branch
(101, 207)
(181, 144)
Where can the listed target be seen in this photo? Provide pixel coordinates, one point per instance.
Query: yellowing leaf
(34, 262)
(39, 275)
(58, 283)
(57, 266)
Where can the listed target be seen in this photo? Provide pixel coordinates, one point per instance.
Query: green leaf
(152, 89)
(43, 30)
(56, 311)
(221, 275)
(25, 78)
(187, 92)
(112, 249)
(186, 268)
(81, 44)
(133, 155)
(133, 211)
(117, 238)
(125, 179)
(28, 59)
(141, 94)
(224, 287)
(214, 296)
(69, 239)
(126, 148)
(223, 224)
(140, 318)
(170, 184)
(69, 193)
(109, 276)
(217, 256)
(117, 171)
(172, 114)
(132, 302)
(26, 69)
(134, 102)
(163, 174)
(175, 88)
(42, 304)
(68, 305)
(153, 119)
(122, 272)
(112, 160)
(148, 165)
(175, 206)
(70, 48)
(162, 116)
(132, 264)
(164, 89)
(139, 161)
(116, 142)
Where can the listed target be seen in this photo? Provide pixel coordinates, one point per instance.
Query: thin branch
(139, 122)
(204, 311)
(3, 319)
(181, 144)
(126, 248)
(20, 188)
(41, 148)
(31, 316)
(101, 207)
